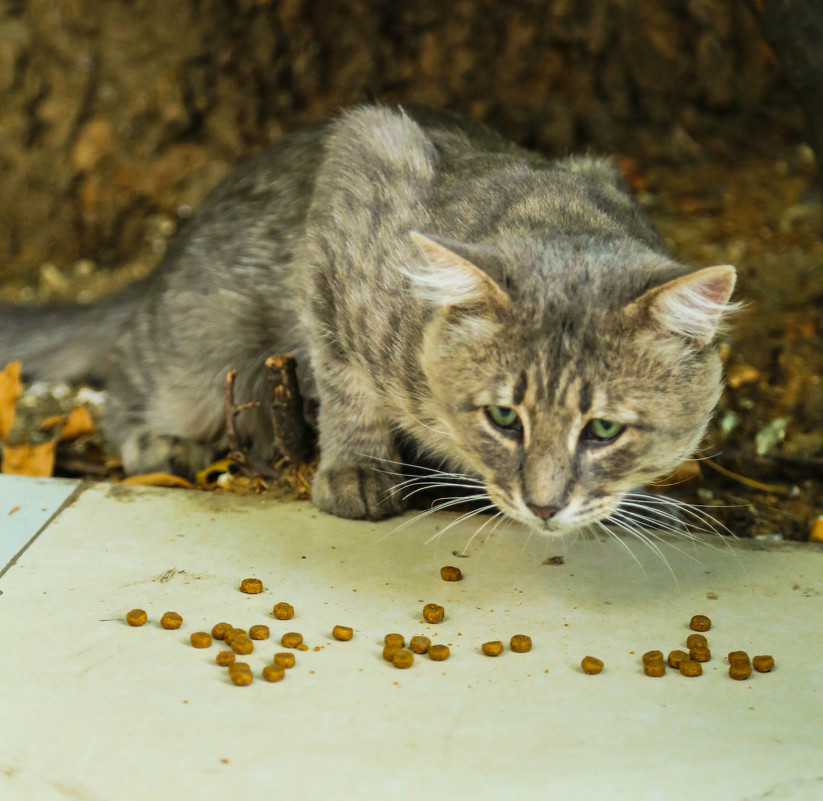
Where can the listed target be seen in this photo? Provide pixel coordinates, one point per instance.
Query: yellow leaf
(78, 423)
(10, 389)
(157, 480)
(28, 460)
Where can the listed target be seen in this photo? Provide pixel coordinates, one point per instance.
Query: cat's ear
(454, 283)
(691, 306)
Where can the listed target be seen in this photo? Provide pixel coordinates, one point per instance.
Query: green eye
(600, 430)
(504, 417)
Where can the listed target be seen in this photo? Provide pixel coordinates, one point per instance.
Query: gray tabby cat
(516, 319)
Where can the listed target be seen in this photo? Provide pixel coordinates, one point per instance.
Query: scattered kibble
(225, 658)
(677, 657)
(273, 673)
(342, 633)
(492, 648)
(252, 586)
(302, 647)
(700, 623)
(284, 660)
(738, 656)
(591, 665)
(259, 632)
(137, 617)
(283, 611)
(451, 573)
(240, 673)
(696, 641)
(242, 645)
(231, 634)
(521, 643)
(652, 656)
(420, 644)
(439, 653)
(401, 658)
(655, 668)
(219, 630)
(389, 651)
(700, 654)
(397, 640)
(740, 671)
(291, 639)
(432, 613)
(691, 667)
(763, 663)
(201, 639)
(171, 620)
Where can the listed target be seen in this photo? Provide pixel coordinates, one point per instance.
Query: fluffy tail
(65, 342)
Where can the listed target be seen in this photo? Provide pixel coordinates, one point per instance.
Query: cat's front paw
(356, 491)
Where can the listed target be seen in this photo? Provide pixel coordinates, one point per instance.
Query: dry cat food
(240, 673)
(397, 640)
(401, 658)
(763, 663)
(342, 633)
(273, 673)
(655, 668)
(677, 657)
(691, 667)
(291, 639)
(439, 653)
(252, 586)
(652, 656)
(225, 658)
(259, 632)
(432, 613)
(389, 651)
(740, 671)
(137, 617)
(284, 660)
(700, 623)
(738, 656)
(283, 611)
(696, 641)
(700, 654)
(492, 648)
(171, 620)
(521, 643)
(219, 630)
(242, 645)
(451, 573)
(201, 639)
(420, 644)
(230, 634)
(591, 665)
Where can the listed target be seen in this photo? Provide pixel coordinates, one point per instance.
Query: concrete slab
(91, 708)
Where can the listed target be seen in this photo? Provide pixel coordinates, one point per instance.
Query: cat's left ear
(691, 306)
(454, 282)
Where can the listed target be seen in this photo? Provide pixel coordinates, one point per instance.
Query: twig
(292, 435)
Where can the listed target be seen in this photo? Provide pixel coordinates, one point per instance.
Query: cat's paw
(357, 492)
(147, 452)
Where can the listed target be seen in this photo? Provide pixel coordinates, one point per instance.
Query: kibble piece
(700, 623)
(420, 644)
(259, 632)
(273, 673)
(763, 663)
(200, 639)
(291, 639)
(676, 658)
(591, 665)
(738, 656)
(225, 658)
(242, 645)
(740, 671)
(696, 641)
(401, 658)
(691, 667)
(240, 673)
(492, 648)
(219, 630)
(171, 620)
(700, 654)
(240, 666)
(397, 640)
(389, 651)
(232, 634)
(432, 613)
(439, 653)
(521, 643)
(652, 656)
(451, 573)
(252, 586)
(137, 617)
(284, 660)
(302, 647)
(655, 668)
(283, 611)
(342, 633)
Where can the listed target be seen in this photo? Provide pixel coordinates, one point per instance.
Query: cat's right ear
(454, 283)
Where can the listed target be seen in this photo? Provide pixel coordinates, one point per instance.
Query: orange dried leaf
(10, 389)
(28, 460)
(816, 534)
(79, 422)
(157, 480)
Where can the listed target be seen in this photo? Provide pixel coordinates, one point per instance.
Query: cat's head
(567, 374)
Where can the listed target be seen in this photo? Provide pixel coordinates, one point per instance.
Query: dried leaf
(157, 480)
(10, 389)
(816, 534)
(28, 460)
(79, 422)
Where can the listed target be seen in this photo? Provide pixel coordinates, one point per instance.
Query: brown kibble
(200, 639)
(259, 632)
(591, 665)
(242, 645)
(700, 654)
(655, 668)
(137, 617)
(492, 648)
(225, 658)
(291, 639)
(240, 673)
(763, 663)
(284, 660)
(389, 651)
(738, 656)
(521, 643)
(451, 573)
(696, 641)
(283, 611)
(401, 658)
(676, 658)
(219, 630)
(397, 640)
(243, 666)
(273, 673)
(342, 633)
(432, 613)
(691, 667)
(171, 620)
(231, 634)
(439, 653)
(700, 623)
(252, 586)
(740, 671)
(652, 656)
(302, 647)
(420, 644)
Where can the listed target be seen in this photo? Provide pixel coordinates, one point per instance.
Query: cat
(516, 319)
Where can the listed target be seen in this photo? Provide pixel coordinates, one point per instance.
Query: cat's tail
(66, 342)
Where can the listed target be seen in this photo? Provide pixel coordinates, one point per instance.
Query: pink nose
(543, 512)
